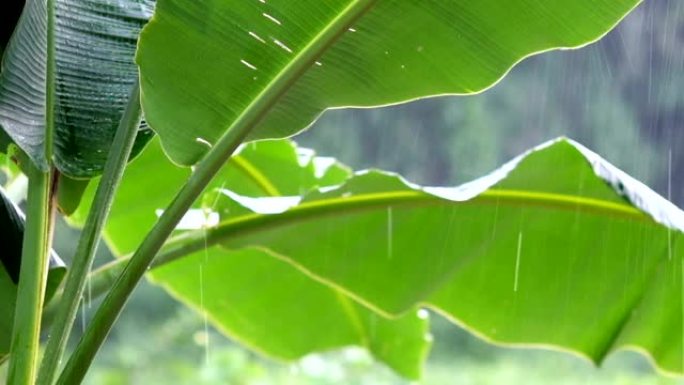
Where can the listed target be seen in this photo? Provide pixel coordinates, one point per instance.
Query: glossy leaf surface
(580, 257)
(206, 65)
(260, 301)
(271, 307)
(95, 43)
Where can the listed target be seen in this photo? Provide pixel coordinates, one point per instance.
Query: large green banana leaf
(580, 257)
(273, 66)
(557, 249)
(11, 234)
(266, 168)
(95, 43)
(271, 307)
(264, 303)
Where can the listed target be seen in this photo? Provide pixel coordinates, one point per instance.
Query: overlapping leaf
(251, 296)
(205, 63)
(270, 306)
(95, 43)
(580, 257)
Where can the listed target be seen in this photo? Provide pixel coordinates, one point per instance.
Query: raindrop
(517, 262)
(669, 197)
(200, 338)
(419, 48)
(206, 243)
(423, 314)
(204, 315)
(203, 141)
(282, 45)
(389, 233)
(273, 19)
(248, 64)
(352, 30)
(254, 35)
(319, 63)
(669, 174)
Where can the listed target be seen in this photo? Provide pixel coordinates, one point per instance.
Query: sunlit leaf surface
(256, 299)
(557, 248)
(264, 168)
(271, 307)
(581, 257)
(205, 63)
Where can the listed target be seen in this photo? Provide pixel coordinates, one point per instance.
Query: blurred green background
(623, 97)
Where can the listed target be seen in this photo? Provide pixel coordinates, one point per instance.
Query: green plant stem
(32, 280)
(107, 313)
(85, 252)
(36, 244)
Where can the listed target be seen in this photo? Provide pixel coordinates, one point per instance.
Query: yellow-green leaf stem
(90, 237)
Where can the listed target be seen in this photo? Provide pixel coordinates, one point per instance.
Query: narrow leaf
(259, 169)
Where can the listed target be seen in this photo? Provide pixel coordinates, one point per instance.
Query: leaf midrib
(342, 206)
(192, 241)
(255, 175)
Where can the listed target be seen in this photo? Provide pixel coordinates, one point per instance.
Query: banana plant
(77, 78)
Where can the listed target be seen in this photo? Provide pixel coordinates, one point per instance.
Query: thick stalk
(36, 244)
(85, 252)
(111, 307)
(32, 279)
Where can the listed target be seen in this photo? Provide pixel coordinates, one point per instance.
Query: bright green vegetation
(483, 278)
(290, 254)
